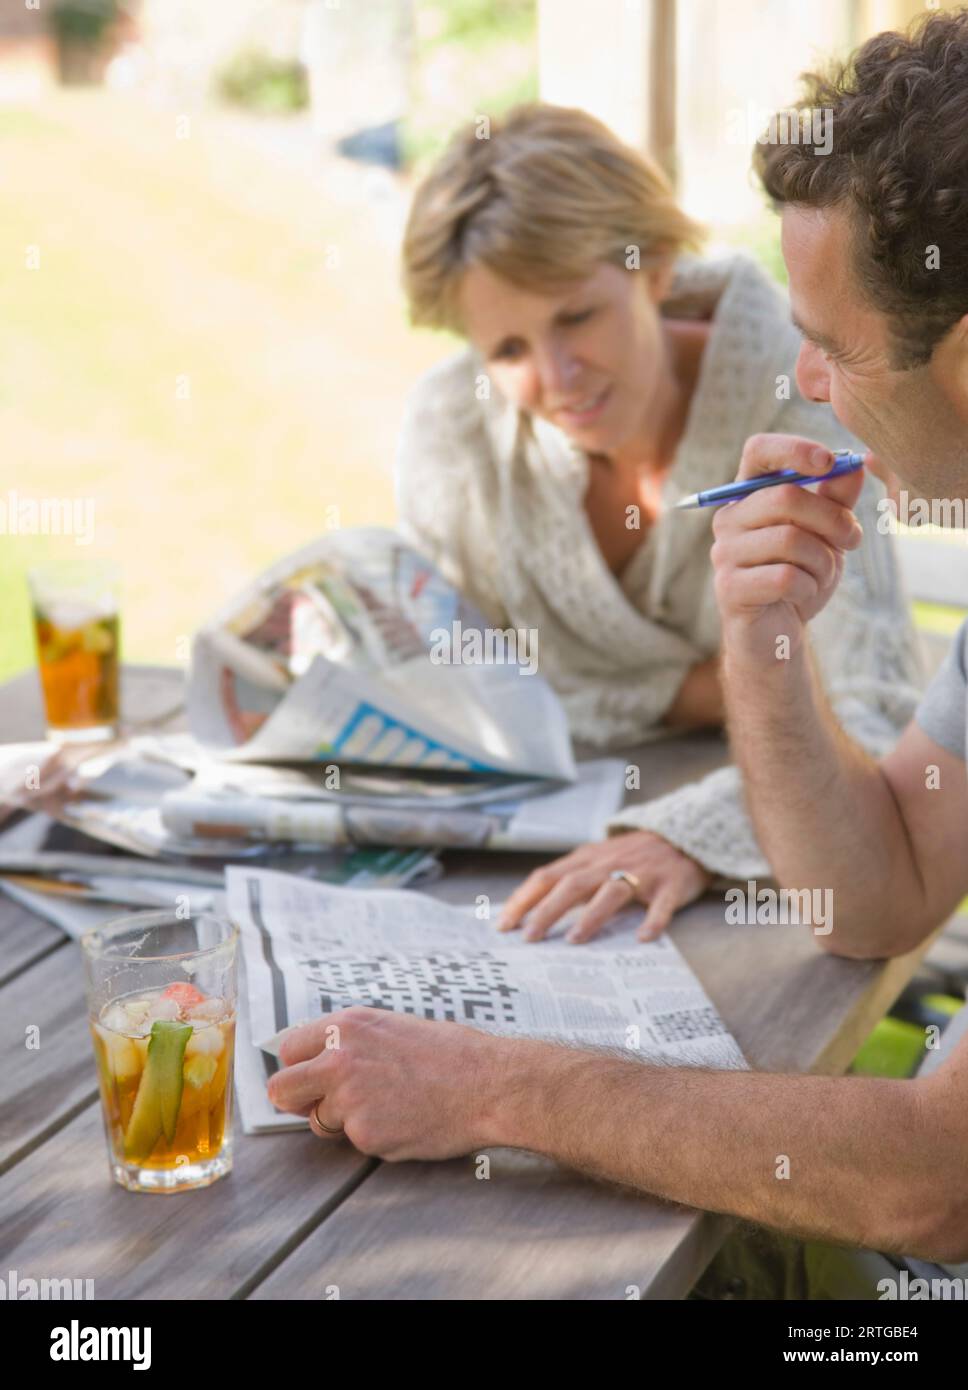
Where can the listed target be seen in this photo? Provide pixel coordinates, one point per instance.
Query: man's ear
(961, 342)
(953, 361)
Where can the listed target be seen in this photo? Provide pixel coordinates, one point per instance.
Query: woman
(606, 377)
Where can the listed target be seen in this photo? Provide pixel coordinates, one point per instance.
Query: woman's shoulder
(721, 287)
(454, 422)
(443, 446)
(452, 388)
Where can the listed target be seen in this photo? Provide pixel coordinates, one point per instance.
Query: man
(875, 236)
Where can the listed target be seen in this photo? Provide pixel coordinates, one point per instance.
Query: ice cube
(123, 1056)
(212, 1008)
(116, 1017)
(207, 1041)
(137, 1016)
(163, 1008)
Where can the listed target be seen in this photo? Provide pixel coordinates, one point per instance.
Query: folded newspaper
(356, 650)
(310, 949)
(167, 798)
(354, 806)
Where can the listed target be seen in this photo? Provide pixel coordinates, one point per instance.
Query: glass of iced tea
(75, 607)
(161, 992)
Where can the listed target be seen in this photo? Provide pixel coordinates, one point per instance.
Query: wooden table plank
(530, 1230)
(47, 1085)
(63, 1217)
(25, 939)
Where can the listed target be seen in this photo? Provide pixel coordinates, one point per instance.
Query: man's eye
(569, 320)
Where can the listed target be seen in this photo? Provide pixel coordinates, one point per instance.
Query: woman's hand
(668, 880)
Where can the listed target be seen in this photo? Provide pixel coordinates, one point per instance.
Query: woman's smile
(584, 411)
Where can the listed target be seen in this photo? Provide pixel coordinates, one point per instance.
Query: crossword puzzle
(456, 989)
(686, 1024)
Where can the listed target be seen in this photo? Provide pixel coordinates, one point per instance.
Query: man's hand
(779, 554)
(668, 880)
(400, 1087)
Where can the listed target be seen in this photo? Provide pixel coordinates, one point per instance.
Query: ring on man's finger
(316, 1124)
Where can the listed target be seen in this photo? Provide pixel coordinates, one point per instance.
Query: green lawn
(203, 262)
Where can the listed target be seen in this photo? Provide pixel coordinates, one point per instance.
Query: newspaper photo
(310, 950)
(355, 649)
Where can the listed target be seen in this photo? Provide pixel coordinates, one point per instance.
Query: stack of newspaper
(351, 695)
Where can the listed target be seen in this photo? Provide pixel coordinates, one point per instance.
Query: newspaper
(77, 889)
(395, 808)
(111, 793)
(166, 798)
(356, 650)
(310, 949)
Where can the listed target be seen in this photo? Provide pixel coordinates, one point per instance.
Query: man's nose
(813, 374)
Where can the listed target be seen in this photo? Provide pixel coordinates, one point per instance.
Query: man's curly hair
(898, 167)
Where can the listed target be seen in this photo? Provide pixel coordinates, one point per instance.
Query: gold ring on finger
(314, 1120)
(624, 876)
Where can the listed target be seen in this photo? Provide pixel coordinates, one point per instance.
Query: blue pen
(732, 492)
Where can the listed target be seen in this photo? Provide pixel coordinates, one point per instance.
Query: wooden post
(660, 85)
(616, 59)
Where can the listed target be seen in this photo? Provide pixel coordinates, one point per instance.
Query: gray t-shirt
(943, 712)
(943, 715)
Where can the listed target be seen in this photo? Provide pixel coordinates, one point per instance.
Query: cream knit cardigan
(493, 497)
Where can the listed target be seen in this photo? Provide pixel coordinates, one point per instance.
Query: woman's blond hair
(540, 197)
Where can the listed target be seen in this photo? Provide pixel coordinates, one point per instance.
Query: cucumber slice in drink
(159, 1094)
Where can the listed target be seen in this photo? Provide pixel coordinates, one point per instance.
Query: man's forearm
(823, 811)
(794, 1152)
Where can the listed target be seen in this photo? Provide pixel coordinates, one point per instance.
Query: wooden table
(298, 1219)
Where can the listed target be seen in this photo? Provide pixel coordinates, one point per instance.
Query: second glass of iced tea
(161, 992)
(75, 605)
